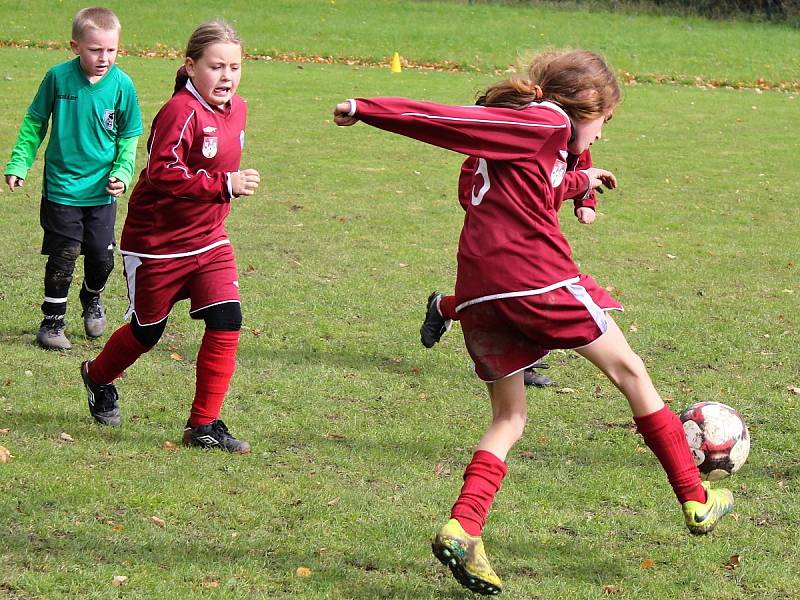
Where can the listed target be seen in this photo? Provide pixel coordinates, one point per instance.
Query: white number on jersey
(483, 171)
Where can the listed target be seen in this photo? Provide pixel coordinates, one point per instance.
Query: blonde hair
(207, 34)
(95, 17)
(580, 81)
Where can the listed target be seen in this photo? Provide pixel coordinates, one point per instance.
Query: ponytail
(581, 82)
(181, 77)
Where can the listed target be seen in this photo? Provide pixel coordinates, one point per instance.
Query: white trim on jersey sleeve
(352, 111)
(473, 120)
(229, 183)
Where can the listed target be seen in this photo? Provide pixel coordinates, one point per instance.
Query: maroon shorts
(507, 335)
(156, 284)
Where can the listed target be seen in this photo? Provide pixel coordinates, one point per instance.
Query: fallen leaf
(335, 436)
(733, 562)
(158, 522)
(303, 572)
(118, 580)
(333, 502)
(565, 390)
(640, 450)
(671, 256)
(210, 582)
(608, 590)
(5, 454)
(646, 564)
(4, 431)
(65, 437)
(794, 389)
(633, 328)
(175, 356)
(527, 454)
(439, 470)
(169, 446)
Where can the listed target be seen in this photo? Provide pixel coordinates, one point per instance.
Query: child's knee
(61, 264)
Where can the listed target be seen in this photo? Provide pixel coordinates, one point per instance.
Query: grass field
(360, 435)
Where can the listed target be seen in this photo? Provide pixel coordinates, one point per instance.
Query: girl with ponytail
(519, 293)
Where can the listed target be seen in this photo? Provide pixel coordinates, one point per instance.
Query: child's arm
(122, 169)
(485, 132)
(31, 135)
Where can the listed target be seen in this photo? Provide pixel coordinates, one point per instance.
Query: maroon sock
(121, 350)
(663, 433)
(447, 307)
(482, 479)
(216, 362)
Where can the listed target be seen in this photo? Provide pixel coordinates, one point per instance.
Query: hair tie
(537, 92)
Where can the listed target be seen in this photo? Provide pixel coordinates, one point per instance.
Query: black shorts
(90, 226)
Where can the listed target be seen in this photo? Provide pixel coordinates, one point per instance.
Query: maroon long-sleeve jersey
(511, 243)
(179, 204)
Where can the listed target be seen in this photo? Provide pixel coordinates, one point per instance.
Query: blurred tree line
(781, 11)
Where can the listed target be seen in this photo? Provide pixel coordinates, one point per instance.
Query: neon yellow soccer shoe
(702, 518)
(465, 556)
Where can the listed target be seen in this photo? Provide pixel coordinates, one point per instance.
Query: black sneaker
(102, 399)
(435, 325)
(94, 317)
(536, 379)
(51, 334)
(214, 435)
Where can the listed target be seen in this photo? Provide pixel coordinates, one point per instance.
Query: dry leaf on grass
(158, 522)
(333, 502)
(5, 454)
(65, 437)
(118, 580)
(647, 564)
(210, 582)
(793, 389)
(175, 356)
(303, 572)
(5, 431)
(608, 590)
(734, 561)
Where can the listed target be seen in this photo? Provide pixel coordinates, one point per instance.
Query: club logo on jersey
(209, 129)
(557, 174)
(108, 118)
(209, 147)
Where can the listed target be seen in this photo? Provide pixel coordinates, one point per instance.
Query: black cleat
(214, 435)
(536, 379)
(435, 325)
(102, 399)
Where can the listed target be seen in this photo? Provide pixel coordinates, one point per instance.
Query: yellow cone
(396, 68)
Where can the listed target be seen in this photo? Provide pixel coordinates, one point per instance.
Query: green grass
(481, 36)
(360, 435)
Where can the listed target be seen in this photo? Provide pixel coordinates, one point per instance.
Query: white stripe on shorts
(598, 314)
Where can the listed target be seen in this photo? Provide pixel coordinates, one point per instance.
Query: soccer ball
(718, 438)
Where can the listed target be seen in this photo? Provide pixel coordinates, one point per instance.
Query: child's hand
(598, 177)
(115, 187)
(341, 115)
(244, 183)
(585, 215)
(14, 182)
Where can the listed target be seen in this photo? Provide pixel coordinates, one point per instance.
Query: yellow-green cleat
(702, 518)
(465, 556)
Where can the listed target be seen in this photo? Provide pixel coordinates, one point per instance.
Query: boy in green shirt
(88, 163)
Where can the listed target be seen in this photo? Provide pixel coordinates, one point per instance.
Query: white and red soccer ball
(718, 438)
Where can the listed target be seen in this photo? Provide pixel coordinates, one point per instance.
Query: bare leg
(509, 414)
(612, 355)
